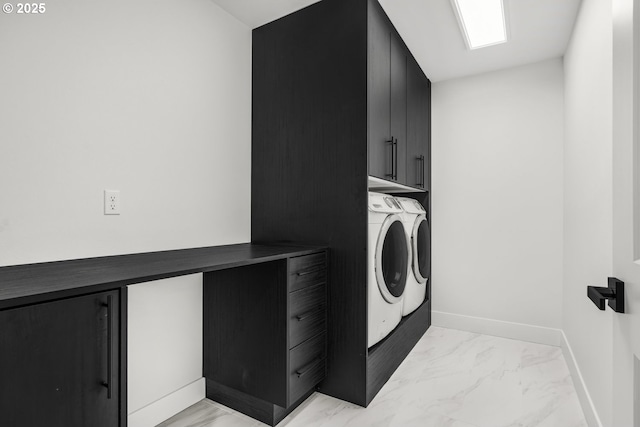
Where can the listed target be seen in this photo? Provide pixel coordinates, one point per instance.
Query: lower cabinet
(265, 335)
(307, 314)
(59, 363)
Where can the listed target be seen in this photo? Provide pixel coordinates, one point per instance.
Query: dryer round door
(421, 245)
(392, 259)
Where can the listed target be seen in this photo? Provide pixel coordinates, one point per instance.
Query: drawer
(307, 270)
(307, 313)
(308, 366)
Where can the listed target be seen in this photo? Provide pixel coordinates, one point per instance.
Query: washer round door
(392, 259)
(421, 245)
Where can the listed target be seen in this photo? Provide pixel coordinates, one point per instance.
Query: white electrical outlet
(111, 202)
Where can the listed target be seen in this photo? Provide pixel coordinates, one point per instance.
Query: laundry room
(319, 213)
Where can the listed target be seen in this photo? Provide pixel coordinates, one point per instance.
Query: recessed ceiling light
(482, 22)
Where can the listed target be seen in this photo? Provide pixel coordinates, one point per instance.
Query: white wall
(152, 98)
(588, 198)
(164, 348)
(497, 201)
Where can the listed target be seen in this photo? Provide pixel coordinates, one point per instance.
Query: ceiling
(255, 13)
(537, 29)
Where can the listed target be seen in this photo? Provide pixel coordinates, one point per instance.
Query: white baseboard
(590, 413)
(166, 407)
(498, 328)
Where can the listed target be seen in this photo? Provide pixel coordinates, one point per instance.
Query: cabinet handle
(391, 144)
(421, 171)
(109, 306)
(304, 273)
(307, 368)
(303, 316)
(395, 161)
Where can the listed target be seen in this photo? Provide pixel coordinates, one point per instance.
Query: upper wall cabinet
(418, 125)
(381, 144)
(398, 119)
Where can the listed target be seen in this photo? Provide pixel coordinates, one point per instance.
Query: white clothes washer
(416, 225)
(387, 266)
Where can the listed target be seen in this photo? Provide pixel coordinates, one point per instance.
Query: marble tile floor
(450, 379)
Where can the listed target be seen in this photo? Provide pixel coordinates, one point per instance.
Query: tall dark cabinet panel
(309, 162)
(327, 81)
(60, 363)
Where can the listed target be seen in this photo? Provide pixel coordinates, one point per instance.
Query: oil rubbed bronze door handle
(614, 293)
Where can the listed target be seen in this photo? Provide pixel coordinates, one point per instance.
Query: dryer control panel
(383, 203)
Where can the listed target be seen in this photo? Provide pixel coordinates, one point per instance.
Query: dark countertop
(32, 283)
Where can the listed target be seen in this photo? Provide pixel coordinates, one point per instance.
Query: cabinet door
(54, 363)
(398, 102)
(417, 125)
(379, 148)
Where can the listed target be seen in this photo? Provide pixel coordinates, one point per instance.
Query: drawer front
(308, 366)
(307, 313)
(307, 270)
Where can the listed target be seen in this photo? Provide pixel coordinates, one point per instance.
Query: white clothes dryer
(416, 225)
(387, 266)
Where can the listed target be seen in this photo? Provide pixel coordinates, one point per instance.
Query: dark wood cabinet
(381, 146)
(398, 104)
(395, 101)
(329, 82)
(60, 363)
(63, 331)
(265, 335)
(418, 126)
